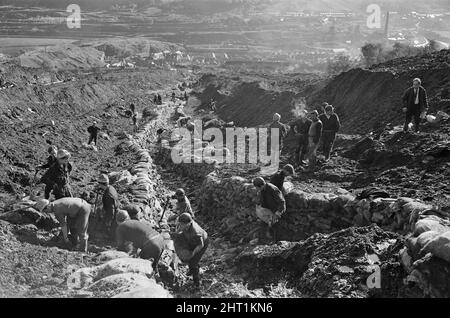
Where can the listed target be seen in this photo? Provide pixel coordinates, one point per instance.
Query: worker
(314, 135)
(186, 97)
(301, 129)
(195, 241)
(134, 211)
(52, 151)
(58, 176)
(183, 205)
(278, 178)
(282, 130)
(93, 132)
(322, 107)
(73, 216)
(110, 200)
(272, 204)
(330, 128)
(155, 99)
(173, 96)
(212, 105)
(159, 99)
(141, 235)
(415, 104)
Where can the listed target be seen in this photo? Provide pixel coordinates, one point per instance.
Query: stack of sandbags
(426, 256)
(121, 177)
(222, 197)
(116, 277)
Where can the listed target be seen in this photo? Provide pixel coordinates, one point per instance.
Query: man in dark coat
(93, 132)
(52, 151)
(110, 200)
(301, 129)
(57, 177)
(415, 102)
(330, 127)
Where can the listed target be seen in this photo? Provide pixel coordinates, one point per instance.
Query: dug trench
(333, 241)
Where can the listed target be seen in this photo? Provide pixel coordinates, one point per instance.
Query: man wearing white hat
(73, 216)
(58, 175)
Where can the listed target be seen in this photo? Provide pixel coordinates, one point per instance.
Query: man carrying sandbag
(278, 178)
(110, 200)
(141, 235)
(191, 242)
(73, 216)
(272, 204)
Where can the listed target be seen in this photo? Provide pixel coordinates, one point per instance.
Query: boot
(83, 246)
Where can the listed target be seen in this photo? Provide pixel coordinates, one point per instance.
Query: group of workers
(310, 130)
(126, 225)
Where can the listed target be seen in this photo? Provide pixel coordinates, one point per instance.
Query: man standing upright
(301, 129)
(282, 130)
(314, 135)
(110, 200)
(331, 126)
(415, 102)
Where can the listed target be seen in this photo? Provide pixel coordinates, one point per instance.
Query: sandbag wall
(190, 170)
(236, 198)
(146, 182)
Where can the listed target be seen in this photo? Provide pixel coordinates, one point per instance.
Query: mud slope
(367, 98)
(251, 100)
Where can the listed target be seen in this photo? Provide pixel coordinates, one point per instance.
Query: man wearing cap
(272, 204)
(301, 129)
(134, 211)
(415, 104)
(57, 177)
(183, 205)
(110, 200)
(278, 178)
(93, 132)
(52, 151)
(331, 126)
(314, 135)
(73, 216)
(282, 130)
(193, 241)
(141, 235)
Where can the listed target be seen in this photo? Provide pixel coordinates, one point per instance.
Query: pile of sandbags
(121, 177)
(89, 147)
(426, 256)
(23, 212)
(222, 197)
(119, 277)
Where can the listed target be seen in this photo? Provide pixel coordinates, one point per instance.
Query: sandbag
(415, 244)
(439, 246)
(181, 247)
(429, 224)
(125, 265)
(265, 215)
(154, 291)
(110, 255)
(119, 283)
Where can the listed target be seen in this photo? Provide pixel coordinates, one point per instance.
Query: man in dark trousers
(415, 103)
(159, 100)
(301, 129)
(93, 132)
(282, 131)
(193, 241)
(314, 135)
(330, 127)
(272, 204)
(141, 235)
(52, 151)
(110, 200)
(57, 177)
(278, 178)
